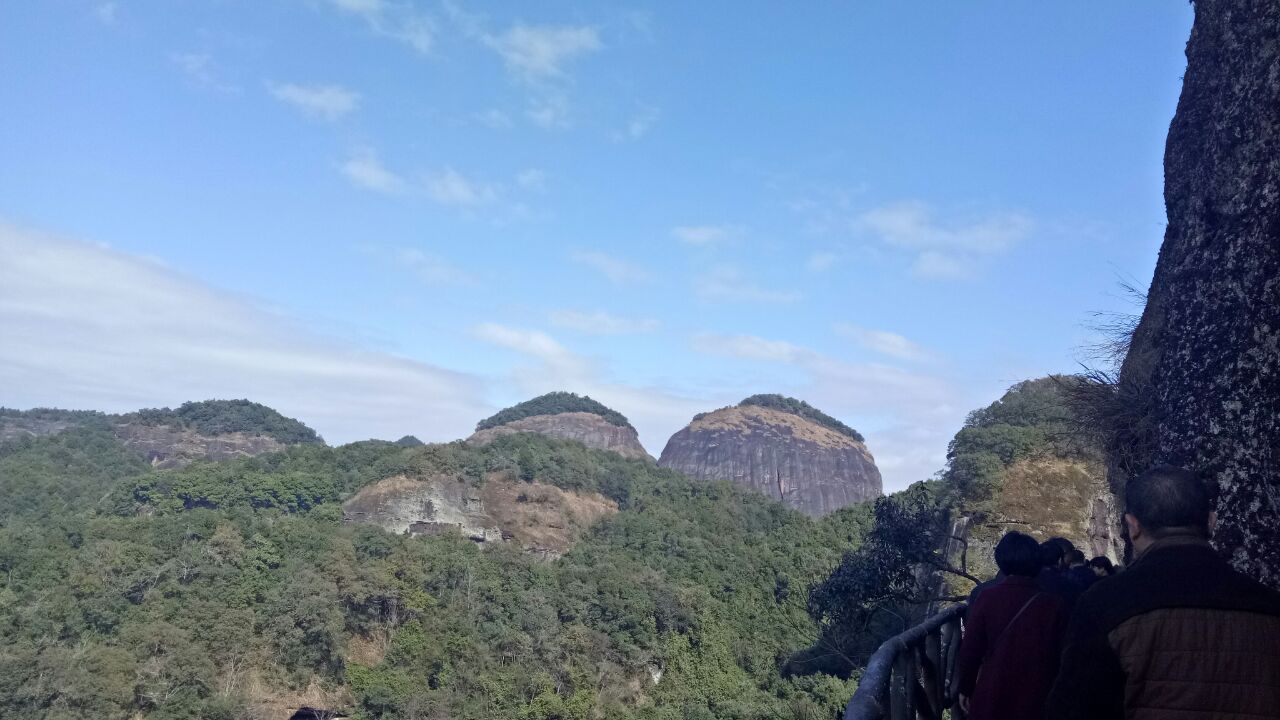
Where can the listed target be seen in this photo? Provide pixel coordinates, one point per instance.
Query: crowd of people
(1176, 634)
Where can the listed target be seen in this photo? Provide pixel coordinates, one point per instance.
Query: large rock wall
(1204, 364)
(796, 461)
(587, 428)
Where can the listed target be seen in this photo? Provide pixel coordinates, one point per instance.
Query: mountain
(208, 430)
(251, 587)
(566, 416)
(1024, 463)
(781, 447)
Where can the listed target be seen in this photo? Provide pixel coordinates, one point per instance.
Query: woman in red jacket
(1013, 634)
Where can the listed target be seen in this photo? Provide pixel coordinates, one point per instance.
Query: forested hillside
(235, 590)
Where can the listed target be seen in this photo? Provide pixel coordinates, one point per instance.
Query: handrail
(912, 675)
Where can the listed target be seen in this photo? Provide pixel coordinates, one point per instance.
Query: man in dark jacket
(1179, 634)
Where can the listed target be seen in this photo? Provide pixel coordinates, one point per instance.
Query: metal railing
(912, 675)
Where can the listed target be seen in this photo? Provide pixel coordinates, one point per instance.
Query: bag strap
(1005, 632)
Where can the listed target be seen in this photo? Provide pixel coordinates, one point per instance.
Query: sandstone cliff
(565, 416)
(542, 519)
(209, 430)
(589, 429)
(808, 465)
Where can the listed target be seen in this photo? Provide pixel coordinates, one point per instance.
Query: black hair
(1018, 554)
(1050, 554)
(1167, 497)
(1075, 557)
(1104, 564)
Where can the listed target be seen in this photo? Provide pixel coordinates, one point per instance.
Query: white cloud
(907, 417)
(725, 283)
(365, 169)
(326, 102)
(540, 52)
(86, 326)
(107, 12)
(883, 342)
(619, 272)
(639, 125)
(703, 234)
(601, 323)
(532, 179)
(945, 250)
(201, 70)
(432, 269)
(494, 118)
(398, 21)
(449, 187)
(821, 261)
(549, 111)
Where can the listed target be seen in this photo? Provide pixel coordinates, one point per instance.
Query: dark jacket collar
(1175, 540)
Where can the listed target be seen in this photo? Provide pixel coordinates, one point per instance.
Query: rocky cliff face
(542, 519)
(167, 443)
(798, 461)
(587, 428)
(1201, 372)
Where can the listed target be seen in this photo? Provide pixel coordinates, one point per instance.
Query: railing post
(931, 673)
(952, 648)
(902, 703)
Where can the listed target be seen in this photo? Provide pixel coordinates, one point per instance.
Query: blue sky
(390, 217)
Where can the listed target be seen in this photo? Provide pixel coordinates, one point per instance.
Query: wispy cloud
(396, 20)
(536, 53)
(325, 102)
(532, 179)
(945, 249)
(618, 271)
(883, 342)
(601, 323)
(450, 187)
(703, 234)
(86, 326)
(201, 70)
(821, 261)
(107, 12)
(639, 125)
(431, 268)
(726, 283)
(494, 118)
(549, 110)
(365, 169)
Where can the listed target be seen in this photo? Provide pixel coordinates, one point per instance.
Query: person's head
(1053, 552)
(1075, 558)
(1167, 500)
(1018, 554)
(1102, 566)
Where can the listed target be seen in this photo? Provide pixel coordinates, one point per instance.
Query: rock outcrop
(587, 428)
(1199, 386)
(542, 519)
(813, 467)
(209, 430)
(565, 416)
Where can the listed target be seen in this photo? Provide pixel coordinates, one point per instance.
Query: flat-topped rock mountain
(781, 447)
(169, 438)
(565, 416)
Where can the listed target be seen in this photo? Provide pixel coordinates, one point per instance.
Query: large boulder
(780, 447)
(565, 416)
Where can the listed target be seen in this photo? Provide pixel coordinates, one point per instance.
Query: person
(1179, 633)
(1078, 571)
(1053, 572)
(1009, 653)
(1102, 566)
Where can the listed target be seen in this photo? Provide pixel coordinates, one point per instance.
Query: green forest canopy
(553, 403)
(169, 594)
